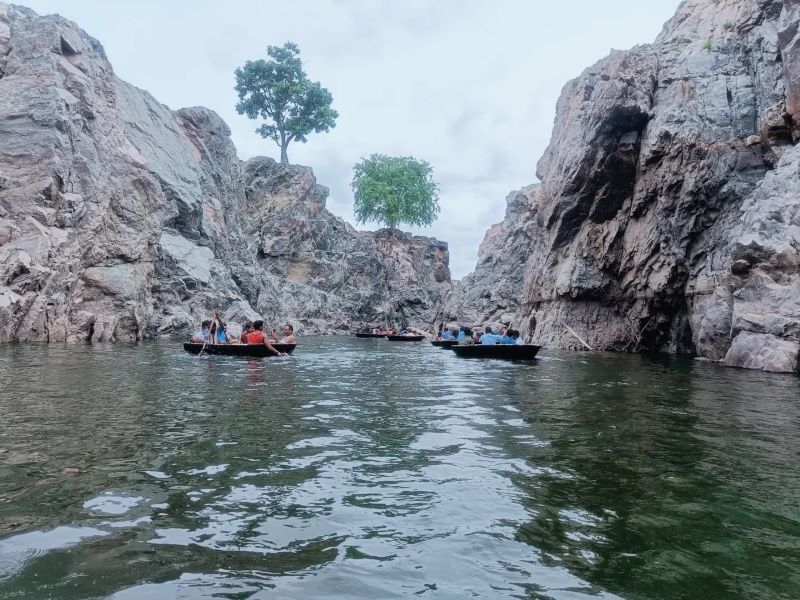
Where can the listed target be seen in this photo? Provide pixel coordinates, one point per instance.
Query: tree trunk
(284, 155)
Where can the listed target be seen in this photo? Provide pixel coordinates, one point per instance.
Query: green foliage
(709, 45)
(279, 91)
(395, 189)
(728, 26)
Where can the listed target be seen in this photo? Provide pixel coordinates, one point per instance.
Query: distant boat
(502, 351)
(405, 338)
(444, 343)
(238, 349)
(370, 335)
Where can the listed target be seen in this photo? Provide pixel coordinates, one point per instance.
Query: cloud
(468, 85)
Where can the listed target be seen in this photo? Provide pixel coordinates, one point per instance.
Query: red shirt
(255, 337)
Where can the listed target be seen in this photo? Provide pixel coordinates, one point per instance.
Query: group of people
(215, 331)
(466, 336)
(393, 331)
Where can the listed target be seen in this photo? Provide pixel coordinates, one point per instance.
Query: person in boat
(201, 335)
(288, 335)
(447, 335)
(467, 339)
(246, 329)
(490, 337)
(218, 328)
(518, 338)
(257, 336)
(507, 337)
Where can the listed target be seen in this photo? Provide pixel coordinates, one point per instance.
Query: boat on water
(254, 350)
(370, 335)
(444, 343)
(405, 338)
(501, 351)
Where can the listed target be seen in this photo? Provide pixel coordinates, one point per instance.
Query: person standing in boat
(257, 336)
(218, 334)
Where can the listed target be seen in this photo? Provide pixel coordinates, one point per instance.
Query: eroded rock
(122, 219)
(667, 215)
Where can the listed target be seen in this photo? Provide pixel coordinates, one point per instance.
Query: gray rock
(667, 216)
(764, 352)
(122, 219)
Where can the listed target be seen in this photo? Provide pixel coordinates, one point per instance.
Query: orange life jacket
(255, 337)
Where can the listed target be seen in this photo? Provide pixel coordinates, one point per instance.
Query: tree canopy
(395, 189)
(279, 91)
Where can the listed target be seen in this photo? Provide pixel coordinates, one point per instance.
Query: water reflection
(365, 469)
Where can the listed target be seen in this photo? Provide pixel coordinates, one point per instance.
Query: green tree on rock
(279, 91)
(394, 190)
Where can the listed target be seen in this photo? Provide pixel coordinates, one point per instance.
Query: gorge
(667, 218)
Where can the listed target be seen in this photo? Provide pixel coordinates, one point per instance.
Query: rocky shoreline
(667, 218)
(121, 219)
(668, 214)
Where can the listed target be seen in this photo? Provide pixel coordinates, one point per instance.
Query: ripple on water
(375, 470)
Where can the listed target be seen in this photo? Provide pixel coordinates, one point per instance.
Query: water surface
(370, 469)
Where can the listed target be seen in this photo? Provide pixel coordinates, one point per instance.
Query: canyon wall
(121, 219)
(668, 213)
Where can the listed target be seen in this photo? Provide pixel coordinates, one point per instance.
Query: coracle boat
(257, 350)
(444, 343)
(405, 338)
(502, 351)
(370, 335)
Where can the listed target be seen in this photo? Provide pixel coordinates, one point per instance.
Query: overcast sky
(468, 85)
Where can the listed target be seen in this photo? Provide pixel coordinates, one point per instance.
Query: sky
(468, 85)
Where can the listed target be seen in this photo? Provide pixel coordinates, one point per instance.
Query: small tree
(395, 189)
(279, 91)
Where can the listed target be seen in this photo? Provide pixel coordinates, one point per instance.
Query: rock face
(668, 214)
(121, 219)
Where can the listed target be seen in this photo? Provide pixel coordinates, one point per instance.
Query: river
(371, 469)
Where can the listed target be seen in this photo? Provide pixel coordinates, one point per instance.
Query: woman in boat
(257, 337)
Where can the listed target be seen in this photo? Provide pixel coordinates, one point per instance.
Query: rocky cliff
(122, 219)
(668, 214)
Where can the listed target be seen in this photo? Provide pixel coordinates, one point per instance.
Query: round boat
(501, 351)
(257, 350)
(370, 335)
(405, 338)
(444, 343)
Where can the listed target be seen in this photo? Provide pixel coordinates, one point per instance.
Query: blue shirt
(507, 340)
(490, 338)
(461, 336)
(446, 335)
